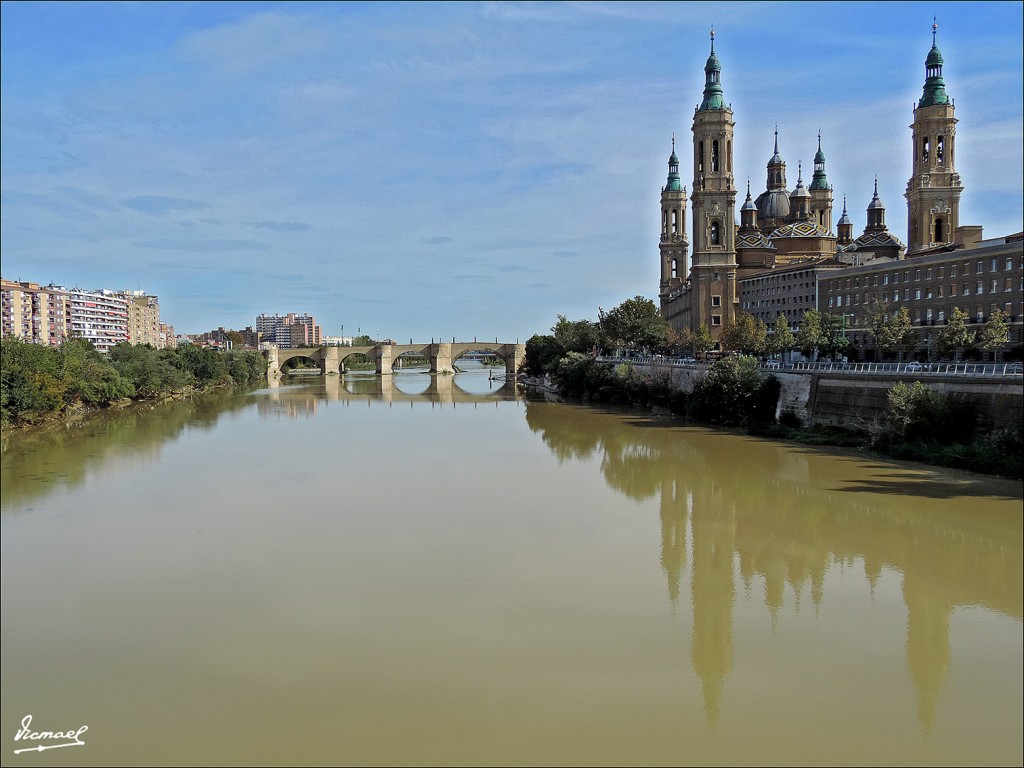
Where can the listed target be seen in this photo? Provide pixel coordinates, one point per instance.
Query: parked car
(689, 361)
(914, 367)
(1015, 368)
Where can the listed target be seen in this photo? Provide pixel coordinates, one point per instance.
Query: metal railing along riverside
(889, 369)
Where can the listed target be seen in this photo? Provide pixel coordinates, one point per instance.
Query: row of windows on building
(49, 314)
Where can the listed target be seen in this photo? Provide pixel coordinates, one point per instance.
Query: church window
(939, 153)
(924, 149)
(939, 238)
(675, 221)
(728, 154)
(716, 301)
(821, 218)
(715, 233)
(700, 157)
(714, 156)
(675, 268)
(716, 319)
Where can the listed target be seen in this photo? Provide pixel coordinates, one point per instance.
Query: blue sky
(451, 169)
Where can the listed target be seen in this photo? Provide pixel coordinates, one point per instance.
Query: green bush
(542, 354)
(734, 394)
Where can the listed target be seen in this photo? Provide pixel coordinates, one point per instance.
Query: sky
(452, 170)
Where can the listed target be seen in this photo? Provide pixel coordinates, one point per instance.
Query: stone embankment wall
(861, 400)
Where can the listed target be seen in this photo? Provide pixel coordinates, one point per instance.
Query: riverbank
(923, 425)
(40, 383)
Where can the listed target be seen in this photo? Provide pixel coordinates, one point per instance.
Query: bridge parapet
(442, 356)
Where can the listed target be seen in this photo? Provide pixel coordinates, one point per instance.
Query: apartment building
(791, 289)
(289, 331)
(34, 313)
(143, 318)
(978, 280)
(100, 317)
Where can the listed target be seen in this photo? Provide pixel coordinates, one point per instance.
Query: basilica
(783, 231)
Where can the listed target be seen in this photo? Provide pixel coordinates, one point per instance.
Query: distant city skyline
(451, 170)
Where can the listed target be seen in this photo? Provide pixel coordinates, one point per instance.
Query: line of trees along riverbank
(924, 425)
(38, 382)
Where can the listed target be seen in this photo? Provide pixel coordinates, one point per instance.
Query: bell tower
(933, 192)
(713, 276)
(674, 246)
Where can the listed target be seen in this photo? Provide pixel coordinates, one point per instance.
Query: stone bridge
(441, 356)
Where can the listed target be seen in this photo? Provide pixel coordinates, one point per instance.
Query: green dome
(934, 86)
(713, 99)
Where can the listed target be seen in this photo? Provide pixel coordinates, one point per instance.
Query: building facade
(782, 255)
(143, 319)
(289, 331)
(34, 313)
(100, 317)
(977, 280)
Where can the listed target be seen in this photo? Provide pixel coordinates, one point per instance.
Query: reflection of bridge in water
(440, 356)
(443, 390)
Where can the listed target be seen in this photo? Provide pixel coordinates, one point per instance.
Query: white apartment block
(100, 317)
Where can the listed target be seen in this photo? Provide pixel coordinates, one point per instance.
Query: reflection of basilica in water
(733, 518)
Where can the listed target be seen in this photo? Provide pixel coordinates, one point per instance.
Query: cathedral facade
(780, 228)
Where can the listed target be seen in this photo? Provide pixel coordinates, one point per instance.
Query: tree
(576, 335)
(808, 338)
(363, 341)
(782, 339)
(634, 324)
(891, 332)
(994, 333)
(833, 334)
(745, 334)
(955, 335)
(734, 393)
(877, 320)
(700, 341)
(542, 354)
(901, 334)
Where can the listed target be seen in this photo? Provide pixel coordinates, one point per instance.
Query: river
(442, 571)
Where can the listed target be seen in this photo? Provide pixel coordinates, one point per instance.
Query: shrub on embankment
(922, 425)
(734, 394)
(37, 381)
